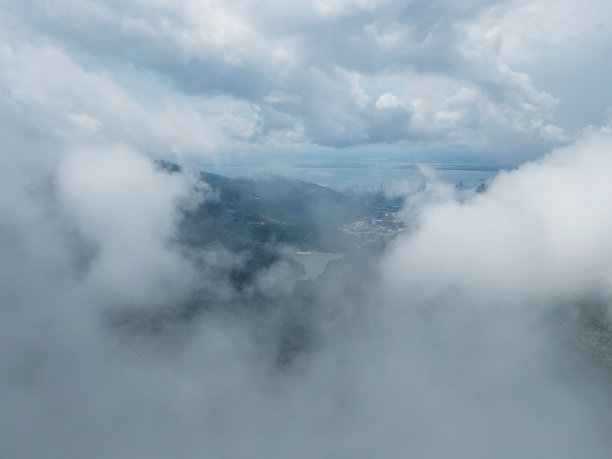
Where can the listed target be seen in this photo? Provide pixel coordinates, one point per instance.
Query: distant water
(368, 177)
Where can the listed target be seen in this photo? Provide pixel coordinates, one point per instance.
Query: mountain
(251, 213)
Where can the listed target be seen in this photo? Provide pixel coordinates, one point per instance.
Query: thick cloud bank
(540, 230)
(458, 342)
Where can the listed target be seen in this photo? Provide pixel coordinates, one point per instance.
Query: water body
(369, 176)
(314, 263)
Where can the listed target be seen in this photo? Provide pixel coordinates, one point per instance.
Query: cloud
(127, 211)
(539, 230)
(461, 340)
(560, 47)
(307, 70)
(458, 341)
(57, 97)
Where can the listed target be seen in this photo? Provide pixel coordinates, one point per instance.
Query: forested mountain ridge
(248, 213)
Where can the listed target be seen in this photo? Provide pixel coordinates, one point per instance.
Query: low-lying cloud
(460, 340)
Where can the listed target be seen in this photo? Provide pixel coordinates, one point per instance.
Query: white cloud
(438, 350)
(58, 97)
(318, 55)
(128, 211)
(539, 233)
(279, 98)
(387, 100)
(561, 46)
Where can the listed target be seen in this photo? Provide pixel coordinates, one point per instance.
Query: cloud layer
(460, 340)
(239, 74)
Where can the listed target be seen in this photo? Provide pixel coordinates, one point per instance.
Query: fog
(460, 340)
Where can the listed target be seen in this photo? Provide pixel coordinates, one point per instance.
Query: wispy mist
(461, 340)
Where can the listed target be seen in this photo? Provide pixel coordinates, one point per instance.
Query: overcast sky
(502, 79)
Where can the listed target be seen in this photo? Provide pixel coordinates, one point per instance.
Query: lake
(314, 263)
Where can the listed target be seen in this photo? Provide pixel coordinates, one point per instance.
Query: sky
(498, 80)
(467, 336)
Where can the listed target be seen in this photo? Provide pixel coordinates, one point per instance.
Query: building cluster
(375, 230)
